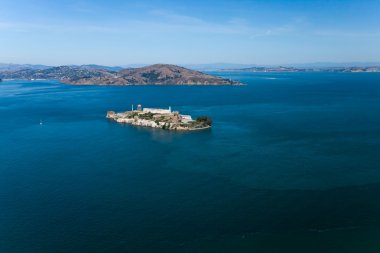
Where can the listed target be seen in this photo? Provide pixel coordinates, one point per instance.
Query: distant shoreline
(374, 69)
(157, 75)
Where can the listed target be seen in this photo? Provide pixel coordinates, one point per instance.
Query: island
(160, 118)
(158, 74)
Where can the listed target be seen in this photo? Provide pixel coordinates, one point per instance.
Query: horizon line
(202, 64)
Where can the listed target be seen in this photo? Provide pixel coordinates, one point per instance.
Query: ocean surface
(292, 164)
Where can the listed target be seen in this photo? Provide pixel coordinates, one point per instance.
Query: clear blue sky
(115, 32)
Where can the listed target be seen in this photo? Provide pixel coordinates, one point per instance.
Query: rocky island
(160, 118)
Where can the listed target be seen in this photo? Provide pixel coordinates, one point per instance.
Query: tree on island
(205, 120)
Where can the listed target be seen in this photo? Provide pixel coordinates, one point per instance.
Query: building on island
(160, 118)
(186, 118)
(157, 110)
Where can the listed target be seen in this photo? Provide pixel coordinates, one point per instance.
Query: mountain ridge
(157, 74)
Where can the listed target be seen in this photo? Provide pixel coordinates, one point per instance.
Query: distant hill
(11, 66)
(94, 66)
(159, 74)
(56, 73)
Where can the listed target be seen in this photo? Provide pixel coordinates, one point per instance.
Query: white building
(186, 118)
(157, 110)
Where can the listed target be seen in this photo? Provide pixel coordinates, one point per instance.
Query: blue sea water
(292, 164)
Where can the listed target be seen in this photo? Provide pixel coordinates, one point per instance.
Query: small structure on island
(186, 118)
(160, 118)
(158, 110)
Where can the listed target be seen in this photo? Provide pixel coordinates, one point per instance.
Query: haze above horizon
(120, 32)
